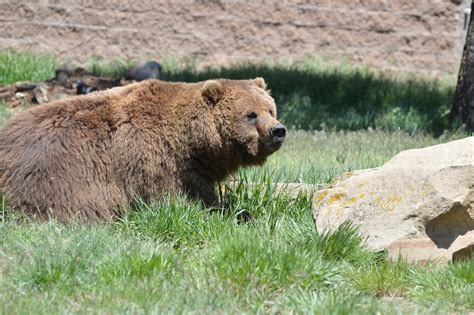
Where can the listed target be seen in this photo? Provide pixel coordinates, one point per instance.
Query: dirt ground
(404, 35)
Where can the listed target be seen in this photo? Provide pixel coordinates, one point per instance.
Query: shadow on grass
(310, 94)
(309, 97)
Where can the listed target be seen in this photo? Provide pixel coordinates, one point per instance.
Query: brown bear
(87, 157)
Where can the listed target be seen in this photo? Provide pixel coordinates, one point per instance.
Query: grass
(315, 94)
(25, 66)
(322, 156)
(311, 94)
(115, 68)
(178, 257)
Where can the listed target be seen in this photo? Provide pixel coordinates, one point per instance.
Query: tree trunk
(463, 102)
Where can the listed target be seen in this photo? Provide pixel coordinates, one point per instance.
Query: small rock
(144, 71)
(82, 88)
(24, 86)
(20, 95)
(419, 205)
(41, 93)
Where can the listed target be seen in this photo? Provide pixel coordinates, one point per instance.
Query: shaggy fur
(88, 157)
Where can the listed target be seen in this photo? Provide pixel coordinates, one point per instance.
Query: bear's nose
(279, 131)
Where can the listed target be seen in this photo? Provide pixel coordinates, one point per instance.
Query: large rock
(144, 71)
(419, 205)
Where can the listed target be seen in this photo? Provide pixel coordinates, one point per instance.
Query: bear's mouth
(272, 145)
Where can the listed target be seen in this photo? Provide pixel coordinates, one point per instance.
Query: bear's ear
(260, 82)
(212, 91)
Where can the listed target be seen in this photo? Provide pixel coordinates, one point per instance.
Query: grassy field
(176, 256)
(314, 94)
(320, 156)
(311, 94)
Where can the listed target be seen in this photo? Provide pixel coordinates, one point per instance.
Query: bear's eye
(252, 115)
(271, 112)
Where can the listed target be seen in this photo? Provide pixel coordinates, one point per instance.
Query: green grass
(315, 94)
(320, 156)
(176, 256)
(116, 68)
(25, 66)
(312, 94)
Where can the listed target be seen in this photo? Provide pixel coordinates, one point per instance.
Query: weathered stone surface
(419, 205)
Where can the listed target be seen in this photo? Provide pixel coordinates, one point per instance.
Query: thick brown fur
(86, 158)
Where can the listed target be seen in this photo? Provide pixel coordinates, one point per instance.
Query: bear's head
(248, 122)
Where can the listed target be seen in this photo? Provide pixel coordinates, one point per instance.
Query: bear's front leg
(201, 189)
